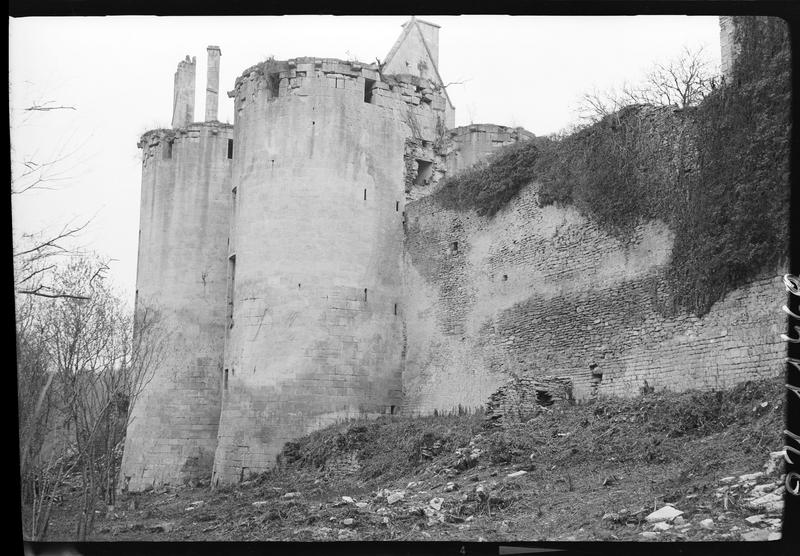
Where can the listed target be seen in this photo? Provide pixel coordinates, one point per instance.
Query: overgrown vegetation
(80, 369)
(489, 186)
(647, 429)
(717, 173)
(582, 461)
(387, 448)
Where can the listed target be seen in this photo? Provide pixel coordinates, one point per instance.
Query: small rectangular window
(274, 84)
(368, 85)
(396, 206)
(230, 148)
(365, 194)
(225, 380)
(365, 295)
(424, 172)
(231, 288)
(167, 149)
(395, 308)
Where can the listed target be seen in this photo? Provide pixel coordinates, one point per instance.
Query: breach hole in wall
(596, 378)
(230, 148)
(453, 248)
(424, 172)
(544, 398)
(505, 277)
(167, 150)
(368, 85)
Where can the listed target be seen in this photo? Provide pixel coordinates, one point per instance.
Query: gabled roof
(408, 28)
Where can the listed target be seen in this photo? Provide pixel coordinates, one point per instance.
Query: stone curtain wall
(475, 142)
(181, 273)
(542, 291)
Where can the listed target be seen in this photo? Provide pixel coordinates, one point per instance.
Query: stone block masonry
(183, 95)
(316, 330)
(542, 291)
(475, 142)
(212, 83)
(182, 276)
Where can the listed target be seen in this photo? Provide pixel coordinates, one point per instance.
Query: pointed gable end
(416, 52)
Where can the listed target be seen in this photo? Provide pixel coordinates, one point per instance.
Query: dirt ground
(583, 472)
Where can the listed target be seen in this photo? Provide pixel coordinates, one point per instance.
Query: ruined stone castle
(306, 274)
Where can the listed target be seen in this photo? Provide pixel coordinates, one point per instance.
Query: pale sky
(118, 74)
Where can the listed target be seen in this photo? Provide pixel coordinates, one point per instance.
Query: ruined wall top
(282, 77)
(183, 96)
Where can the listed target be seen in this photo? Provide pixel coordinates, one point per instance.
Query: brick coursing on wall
(543, 291)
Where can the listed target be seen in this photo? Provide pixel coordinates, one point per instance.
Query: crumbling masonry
(305, 275)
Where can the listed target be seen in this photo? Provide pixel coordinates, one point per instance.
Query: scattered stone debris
(667, 513)
(395, 497)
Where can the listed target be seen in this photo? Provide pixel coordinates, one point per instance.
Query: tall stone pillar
(212, 85)
(183, 98)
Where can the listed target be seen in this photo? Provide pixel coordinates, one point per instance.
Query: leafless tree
(37, 255)
(88, 358)
(683, 81)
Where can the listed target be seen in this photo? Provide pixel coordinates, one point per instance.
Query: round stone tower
(181, 277)
(319, 182)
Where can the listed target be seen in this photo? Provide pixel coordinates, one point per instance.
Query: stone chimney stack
(212, 85)
(183, 99)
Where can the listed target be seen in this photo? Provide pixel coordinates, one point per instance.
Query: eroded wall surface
(475, 142)
(542, 291)
(182, 276)
(316, 332)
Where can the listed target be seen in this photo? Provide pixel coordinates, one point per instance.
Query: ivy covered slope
(717, 173)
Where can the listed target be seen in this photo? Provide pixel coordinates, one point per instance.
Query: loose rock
(649, 534)
(751, 476)
(395, 497)
(667, 513)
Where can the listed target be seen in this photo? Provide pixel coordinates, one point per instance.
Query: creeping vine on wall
(717, 173)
